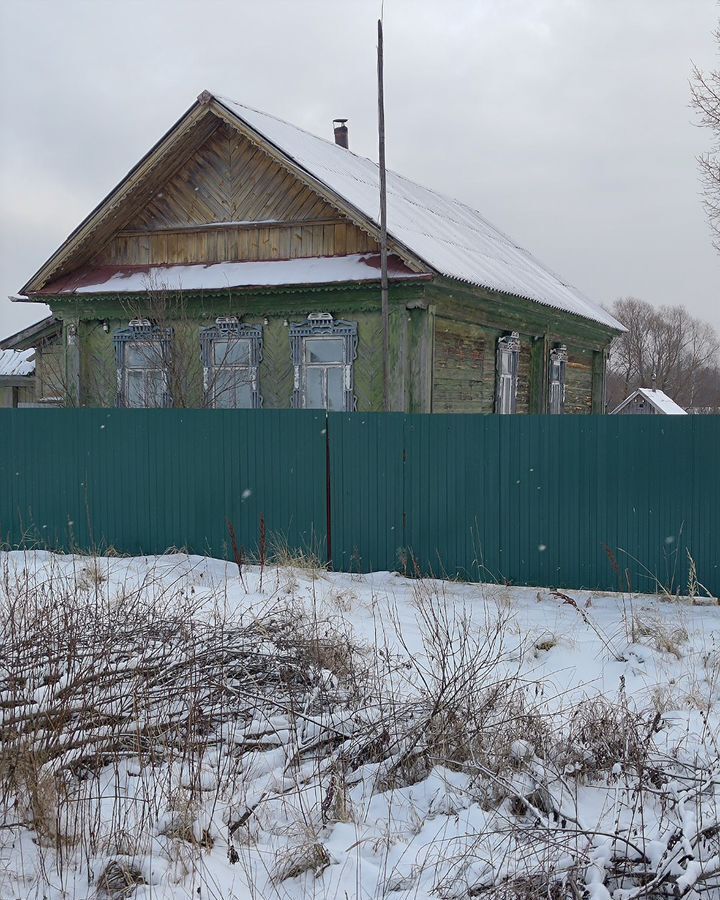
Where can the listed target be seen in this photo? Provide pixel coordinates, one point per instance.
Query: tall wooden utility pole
(383, 225)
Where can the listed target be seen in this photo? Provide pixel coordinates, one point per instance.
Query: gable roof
(658, 399)
(448, 236)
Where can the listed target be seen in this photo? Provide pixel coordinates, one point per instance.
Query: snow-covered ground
(174, 728)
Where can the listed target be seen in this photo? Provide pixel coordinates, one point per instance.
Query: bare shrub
(299, 860)
(119, 879)
(661, 636)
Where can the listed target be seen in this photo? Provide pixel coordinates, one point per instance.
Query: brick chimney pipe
(341, 132)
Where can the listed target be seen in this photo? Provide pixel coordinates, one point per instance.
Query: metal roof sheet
(320, 270)
(17, 363)
(450, 236)
(658, 399)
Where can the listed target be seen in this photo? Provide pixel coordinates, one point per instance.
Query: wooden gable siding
(229, 179)
(231, 201)
(232, 244)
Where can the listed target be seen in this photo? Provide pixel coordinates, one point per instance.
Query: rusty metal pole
(383, 225)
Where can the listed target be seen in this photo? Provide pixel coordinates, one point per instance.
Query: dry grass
(174, 712)
(655, 632)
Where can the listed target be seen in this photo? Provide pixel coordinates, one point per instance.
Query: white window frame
(319, 326)
(507, 359)
(228, 328)
(138, 333)
(557, 368)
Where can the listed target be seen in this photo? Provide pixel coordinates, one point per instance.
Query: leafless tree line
(668, 348)
(705, 99)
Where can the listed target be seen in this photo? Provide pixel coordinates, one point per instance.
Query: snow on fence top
(450, 236)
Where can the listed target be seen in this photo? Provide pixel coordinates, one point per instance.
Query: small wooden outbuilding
(648, 402)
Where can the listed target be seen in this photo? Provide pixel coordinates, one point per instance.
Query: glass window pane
(233, 389)
(155, 388)
(505, 362)
(335, 391)
(143, 354)
(224, 388)
(320, 350)
(244, 395)
(135, 388)
(314, 388)
(232, 352)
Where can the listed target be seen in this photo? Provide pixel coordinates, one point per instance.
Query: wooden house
(648, 402)
(237, 265)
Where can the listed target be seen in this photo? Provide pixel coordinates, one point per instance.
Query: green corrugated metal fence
(576, 501)
(142, 481)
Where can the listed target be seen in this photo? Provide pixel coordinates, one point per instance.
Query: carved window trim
(229, 328)
(506, 373)
(557, 368)
(138, 332)
(320, 325)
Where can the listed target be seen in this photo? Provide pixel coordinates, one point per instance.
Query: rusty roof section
(209, 277)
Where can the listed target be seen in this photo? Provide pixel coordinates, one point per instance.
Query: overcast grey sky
(566, 122)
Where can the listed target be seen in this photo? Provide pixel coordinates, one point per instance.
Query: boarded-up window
(460, 382)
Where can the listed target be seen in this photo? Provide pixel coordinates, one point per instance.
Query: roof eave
(588, 320)
(28, 337)
(422, 277)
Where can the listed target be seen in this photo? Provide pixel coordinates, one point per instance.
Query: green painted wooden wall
(442, 345)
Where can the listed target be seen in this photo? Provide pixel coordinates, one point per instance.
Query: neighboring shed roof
(33, 335)
(450, 236)
(357, 268)
(659, 399)
(17, 363)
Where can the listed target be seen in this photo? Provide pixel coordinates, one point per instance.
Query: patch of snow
(274, 790)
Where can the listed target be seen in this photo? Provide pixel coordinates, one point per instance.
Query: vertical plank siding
(569, 501)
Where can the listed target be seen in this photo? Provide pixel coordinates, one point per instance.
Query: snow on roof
(217, 276)
(662, 402)
(17, 363)
(658, 399)
(448, 235)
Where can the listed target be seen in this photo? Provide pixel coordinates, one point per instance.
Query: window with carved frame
(556, 380)
(231, 354)
(508, 355)
(323, 352)
(142, 357)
